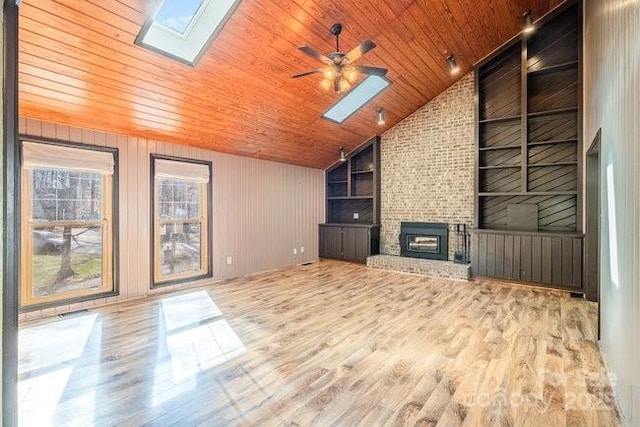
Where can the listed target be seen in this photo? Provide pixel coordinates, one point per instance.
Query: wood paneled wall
(1, 205)
(612, 86)
(261, 210)
(543, 258)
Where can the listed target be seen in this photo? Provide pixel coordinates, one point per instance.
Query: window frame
(151, 19)
(110, 199)
(206, 213)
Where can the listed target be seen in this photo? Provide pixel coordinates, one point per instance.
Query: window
(178, 14)
(181, 220)
(181, 29)
(356, 98)
(67, 244)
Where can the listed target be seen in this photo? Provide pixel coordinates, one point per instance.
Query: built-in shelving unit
(352, 229)
(529, 118)
(353, 186)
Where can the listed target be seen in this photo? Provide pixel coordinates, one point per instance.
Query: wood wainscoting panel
(540, 258)
(330, 343)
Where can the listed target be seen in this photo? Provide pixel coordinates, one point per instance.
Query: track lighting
(453, 66)
(529, 27)
(342, 156)
(380, 114)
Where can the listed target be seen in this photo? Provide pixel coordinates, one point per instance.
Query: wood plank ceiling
(80, 67)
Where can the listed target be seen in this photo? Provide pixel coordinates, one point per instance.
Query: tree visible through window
(180, 232)
(67, 233)
(180, 223)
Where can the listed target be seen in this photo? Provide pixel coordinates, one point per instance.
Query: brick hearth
(423, 267)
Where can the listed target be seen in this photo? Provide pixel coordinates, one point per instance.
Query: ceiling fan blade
(360, 50)
(314, 54)
(307, 73)
(372, 71)
(336, 84)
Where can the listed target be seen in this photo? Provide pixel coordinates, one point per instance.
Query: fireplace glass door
(421, 243)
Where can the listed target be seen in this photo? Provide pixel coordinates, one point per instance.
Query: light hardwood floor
(326, 344)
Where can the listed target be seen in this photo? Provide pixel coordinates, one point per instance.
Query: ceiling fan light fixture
(344, 85)
(325, 84)
(352, 75)
(529, 26)
(453, 66)
(338, 66)
(380, 116)
(329, 73)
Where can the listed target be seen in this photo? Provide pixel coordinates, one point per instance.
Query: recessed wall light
(529, 27)
(453, 66)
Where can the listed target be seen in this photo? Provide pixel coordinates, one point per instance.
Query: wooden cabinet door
(330, 242)
(355, 243)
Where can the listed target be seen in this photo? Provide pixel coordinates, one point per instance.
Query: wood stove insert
(429, 240)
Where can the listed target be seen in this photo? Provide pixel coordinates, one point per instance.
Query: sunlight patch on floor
(196, 339)
(48, 355)
(186, 309)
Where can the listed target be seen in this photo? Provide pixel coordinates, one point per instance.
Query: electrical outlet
(301, 249)
(295, 251)
(229, 260)
(356, 215)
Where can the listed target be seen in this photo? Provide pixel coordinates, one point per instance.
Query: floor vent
(577, 295)
(307, 263)
(73, 313)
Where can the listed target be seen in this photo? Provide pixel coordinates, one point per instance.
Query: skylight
(182, 29)
(356, 98)
(178, 14)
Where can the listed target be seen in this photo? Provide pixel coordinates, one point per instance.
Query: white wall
(612, 102)
(261, 209)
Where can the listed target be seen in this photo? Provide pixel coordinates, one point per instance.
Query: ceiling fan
(339, 71)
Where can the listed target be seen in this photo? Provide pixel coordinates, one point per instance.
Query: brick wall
(427, 163)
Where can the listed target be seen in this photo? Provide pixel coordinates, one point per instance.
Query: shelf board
(551, 193)
(531, 193)
(503, 147)
(361, 172)
(337, 182)
(500, 167)
(500, 194)
(553, 141)
(500, 119)
(553, 112)
(497, 228)
(542, 165)
(554, 68)
(350, 198)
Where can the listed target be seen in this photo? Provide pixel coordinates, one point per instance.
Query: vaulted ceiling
(79, 66)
